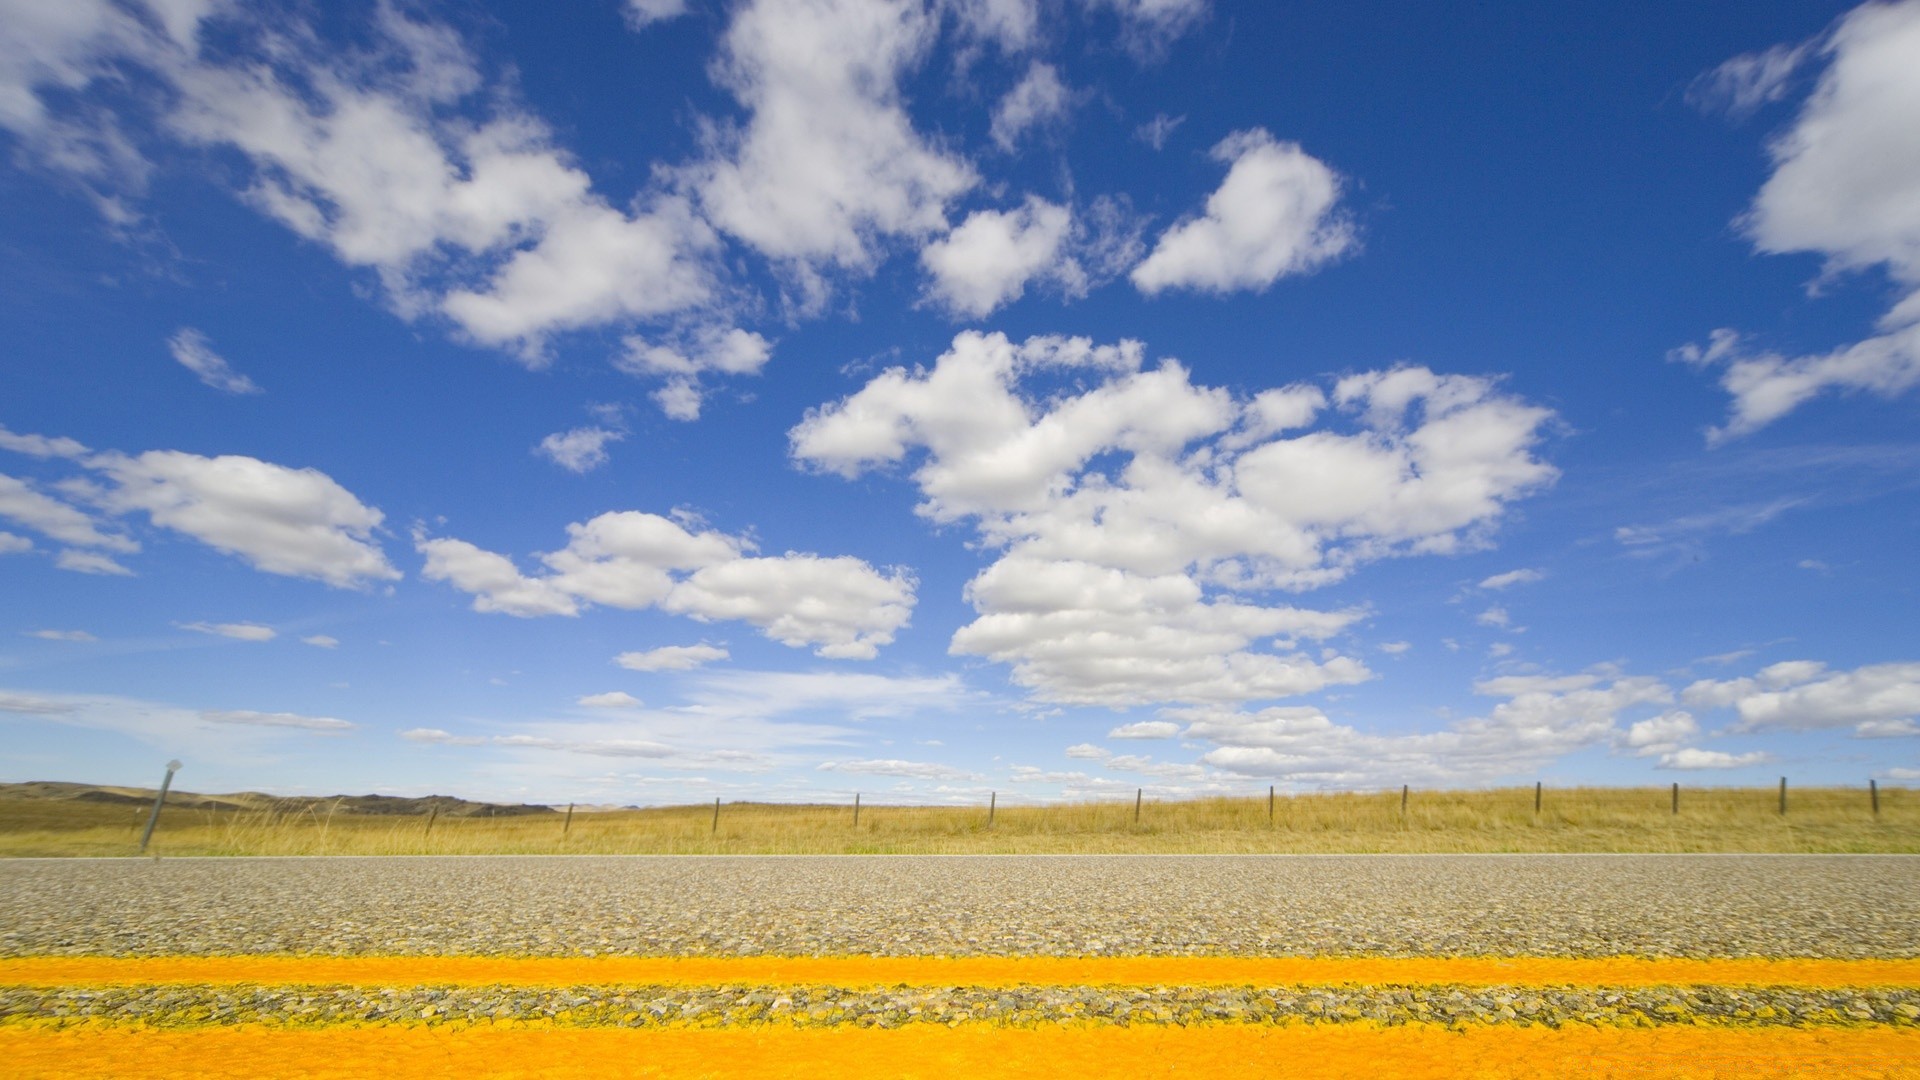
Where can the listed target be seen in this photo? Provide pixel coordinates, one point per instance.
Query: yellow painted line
(988, 971)
(934, 1051)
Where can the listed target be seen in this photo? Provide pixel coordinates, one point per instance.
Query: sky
(649, 401)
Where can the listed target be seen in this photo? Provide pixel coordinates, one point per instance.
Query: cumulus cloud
(238, 631)
(1129, 515)
(914, 770)
(581, 449)
(249, 718)
(1845, 186)
(991, 257)
(841, 607)
(90, 562)
(1661, 734)
(1274, 215)
(1804, 695)
(682, 358)
(614, 699)
(671, 658)
(55, 520)
(1037, 100)
(12, 544)
(321, 641)
(294, 522)
(195, 353)
(1014, 25)
(828, 164)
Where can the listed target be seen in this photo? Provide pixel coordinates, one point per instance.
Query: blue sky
(652, 401)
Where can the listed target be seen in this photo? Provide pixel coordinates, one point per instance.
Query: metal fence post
(154, 818)
(1137, 794)
(715, 831)
(1873, 792)
(992, 798)
(1783, 795)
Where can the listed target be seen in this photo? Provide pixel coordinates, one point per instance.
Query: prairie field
(1818, 820)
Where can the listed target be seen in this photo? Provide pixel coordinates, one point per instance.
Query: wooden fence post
(856, 809)
(432, 813)
(1403, 799)
(1138, 793)
(1536, 798)
(715, 831)
(1873, 792)
(567, 826)
(992, 798)
(1676, 796)
(1783, 795)
(1269, 804)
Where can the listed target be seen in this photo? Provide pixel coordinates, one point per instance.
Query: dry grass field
(1825, 820)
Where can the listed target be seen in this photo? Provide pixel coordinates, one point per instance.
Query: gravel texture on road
(815, 1006)
(1558, 905)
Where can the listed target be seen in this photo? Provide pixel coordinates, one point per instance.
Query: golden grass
(1572, 820)
(928, 1050)
(990, 971)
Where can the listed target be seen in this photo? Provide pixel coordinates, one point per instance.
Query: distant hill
(381, 805)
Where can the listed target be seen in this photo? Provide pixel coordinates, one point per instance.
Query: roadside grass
(1501, 820)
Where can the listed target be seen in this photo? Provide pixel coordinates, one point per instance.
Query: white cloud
(1156, 131)
(51, 518)
(1087, 752)
(1148, 27)
(989, 259)
(321, 641)
(1013, 24)
(294, 522)
(607, 747)
(842, 607)
(1512, 577)
(1146, 729)
(63, 635)
(1395, 648)
(579, 449)
(682, 358)
(41, 446)
(1845, 186)
(202, 737)
(1661, 734)
(1038, 100)
(195, 353)
(90, 562)
(33, 704)
(1803, 695)
(1747, 82)
(644, 13)
(671, 658)
(613, 699)
(914, 770)
(237, 631)
(737, 695)
(11, 544)
(1274, 215)
(828, 164)
(277, 720)
(1543, 719)
(1494, 616)
(1694, 758)
(1115, 583)
(400, 155)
